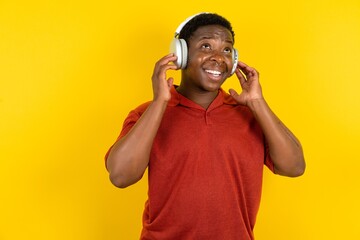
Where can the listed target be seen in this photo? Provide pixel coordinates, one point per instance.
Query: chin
(212, 87)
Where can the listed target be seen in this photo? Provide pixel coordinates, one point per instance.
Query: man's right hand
(161, 85)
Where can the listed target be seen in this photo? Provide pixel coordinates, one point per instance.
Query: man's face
(210, 58)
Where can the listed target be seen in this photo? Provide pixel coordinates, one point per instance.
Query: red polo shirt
(205, 171)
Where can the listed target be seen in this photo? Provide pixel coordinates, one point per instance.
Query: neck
(202, 98)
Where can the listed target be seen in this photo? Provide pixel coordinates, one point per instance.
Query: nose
(218, 57)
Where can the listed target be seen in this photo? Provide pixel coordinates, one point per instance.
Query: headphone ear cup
(179, 48)
(235, 57)
(184, 50)
(175, 47)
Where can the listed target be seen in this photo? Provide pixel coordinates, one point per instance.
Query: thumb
(233, 93)
(170, 82)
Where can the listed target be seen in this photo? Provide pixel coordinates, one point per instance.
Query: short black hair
(204, 19)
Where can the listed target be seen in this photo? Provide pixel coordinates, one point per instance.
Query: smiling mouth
(214, 73)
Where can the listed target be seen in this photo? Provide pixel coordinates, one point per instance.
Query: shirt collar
(221, 98)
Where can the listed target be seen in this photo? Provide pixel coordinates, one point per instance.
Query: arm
(129, 157)
(285, 149)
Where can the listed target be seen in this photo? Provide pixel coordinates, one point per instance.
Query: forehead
(212, 32)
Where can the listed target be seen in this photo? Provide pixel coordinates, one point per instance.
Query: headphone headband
(180, 27)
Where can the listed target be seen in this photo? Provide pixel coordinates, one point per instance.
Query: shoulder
(136, 113)
(133, 117)
(139, 110)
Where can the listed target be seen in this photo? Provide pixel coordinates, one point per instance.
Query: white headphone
(179, 47)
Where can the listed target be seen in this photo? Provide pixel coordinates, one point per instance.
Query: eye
(227, 50)
(206, 46)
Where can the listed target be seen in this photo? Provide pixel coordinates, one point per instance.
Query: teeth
(217, 73)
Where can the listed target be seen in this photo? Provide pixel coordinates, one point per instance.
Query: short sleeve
(129, 122)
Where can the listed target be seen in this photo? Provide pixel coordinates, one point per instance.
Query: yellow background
(71, 70)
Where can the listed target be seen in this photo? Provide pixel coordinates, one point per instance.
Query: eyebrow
(206, 37)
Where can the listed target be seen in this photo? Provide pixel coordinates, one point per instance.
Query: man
(204, 149)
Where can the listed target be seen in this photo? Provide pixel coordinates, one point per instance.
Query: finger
(241, 67)
(250, 73)
(233, 93)
(160, 76)
(241, 76)
(242, 64)
(170, 82)
(163, 65)
(165, 68)
(166, 60)
(245, 68)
